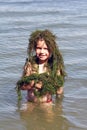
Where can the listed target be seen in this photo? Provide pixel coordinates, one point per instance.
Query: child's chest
(41, 69)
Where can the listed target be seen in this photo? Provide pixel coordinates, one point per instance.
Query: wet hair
(45, 35)
(55, 61)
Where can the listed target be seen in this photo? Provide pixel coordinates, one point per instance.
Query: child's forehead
(41, 43)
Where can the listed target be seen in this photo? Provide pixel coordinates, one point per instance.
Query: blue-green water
(68, 20)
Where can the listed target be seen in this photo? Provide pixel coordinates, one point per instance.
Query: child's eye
(38, 48)
(41, 48)
(45, 48)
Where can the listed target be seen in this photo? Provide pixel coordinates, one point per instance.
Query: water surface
(67, 19)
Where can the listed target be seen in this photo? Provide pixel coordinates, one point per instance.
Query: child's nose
(42, 50)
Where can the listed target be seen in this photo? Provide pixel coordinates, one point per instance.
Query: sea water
(67, 19)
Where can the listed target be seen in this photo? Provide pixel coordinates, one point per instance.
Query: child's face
(42, 51)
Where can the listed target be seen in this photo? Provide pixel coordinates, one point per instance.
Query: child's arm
(27, 70)
(60, 89)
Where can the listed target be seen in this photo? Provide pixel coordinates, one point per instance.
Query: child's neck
(42, 62)
(42, 68)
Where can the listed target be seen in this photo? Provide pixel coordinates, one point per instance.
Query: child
(43, 57)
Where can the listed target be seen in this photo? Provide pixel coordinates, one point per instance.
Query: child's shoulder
(31, 63)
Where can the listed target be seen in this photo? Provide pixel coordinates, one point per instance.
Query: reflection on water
(44, 116)
(68, 20)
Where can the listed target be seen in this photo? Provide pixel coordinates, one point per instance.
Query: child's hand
(60, 91)
(27, 86)
(38, 85)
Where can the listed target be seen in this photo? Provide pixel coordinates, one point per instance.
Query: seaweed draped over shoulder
(32, 66)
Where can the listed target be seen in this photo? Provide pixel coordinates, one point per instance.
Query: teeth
(42, 55)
